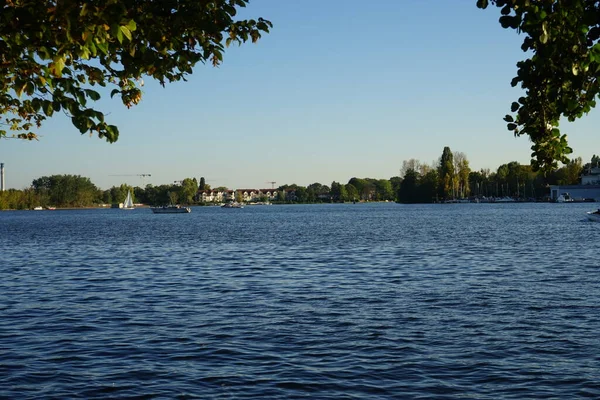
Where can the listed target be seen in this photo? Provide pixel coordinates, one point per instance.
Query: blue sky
(339, 88)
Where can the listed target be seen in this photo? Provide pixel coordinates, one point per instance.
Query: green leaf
(125, 32)
(48, 108)
(92, 94)
(20, 89)
(57, 66)
(103, 47)
(511, 126)
(36, 104)
(509, 118)
(132, 25)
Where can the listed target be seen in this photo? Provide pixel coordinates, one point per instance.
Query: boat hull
(171, 210)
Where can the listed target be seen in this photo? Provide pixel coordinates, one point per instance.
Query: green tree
(560, 78)
(343, 194)
(317, 192)
(462, 170)
(238, 196)
(428, 187)
(383, 189)
(173, 197)
(408, 188)
(281, 196)
(202, 184)
(446, 174)
(335, 191)
(53, 53)
(352, 192)
(65, 190)
(570, 173)
(189, 188)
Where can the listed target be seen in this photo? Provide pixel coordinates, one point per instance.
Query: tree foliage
(65, 191)
(54, 54)
(446, 174)
(560, 79)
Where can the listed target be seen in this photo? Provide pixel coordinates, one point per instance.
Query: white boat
(128, 203)
(232, 205)
(594, 215)
(38, 208)
(171, 210)
(564, 198)
(505, 199)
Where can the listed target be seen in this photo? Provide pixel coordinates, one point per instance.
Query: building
(215, 196)
(248, 195)
(576, 192)
(589, 189)
(592, 177)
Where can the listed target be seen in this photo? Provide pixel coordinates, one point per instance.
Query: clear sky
(339, 88)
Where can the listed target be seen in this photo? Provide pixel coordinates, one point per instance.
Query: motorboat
(171, 210)
(232, 205)
(564, 198)
(594, 215)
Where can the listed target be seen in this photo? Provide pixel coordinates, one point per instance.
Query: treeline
(55, 190)
(450, 177)
(67, 191)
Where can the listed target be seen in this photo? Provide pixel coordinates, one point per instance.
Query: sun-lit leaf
(125, 31)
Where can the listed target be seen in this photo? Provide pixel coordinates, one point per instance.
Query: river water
(363, 301)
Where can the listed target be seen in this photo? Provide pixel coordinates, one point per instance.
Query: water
(365, 301)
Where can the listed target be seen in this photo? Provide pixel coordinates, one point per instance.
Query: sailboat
(128, 203)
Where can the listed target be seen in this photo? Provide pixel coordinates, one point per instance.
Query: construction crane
(142, 176)
(272, 184)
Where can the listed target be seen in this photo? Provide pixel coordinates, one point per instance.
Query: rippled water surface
(365, 301)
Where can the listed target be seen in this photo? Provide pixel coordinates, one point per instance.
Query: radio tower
(2, 187)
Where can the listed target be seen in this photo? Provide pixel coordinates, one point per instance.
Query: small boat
(171, 210)
(38, 208)
(505, 199)
(128, 203)
(232, 205)
(564, 198)
(594, 215)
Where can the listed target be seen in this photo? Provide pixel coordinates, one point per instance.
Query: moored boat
(232, 205)
(171, 210)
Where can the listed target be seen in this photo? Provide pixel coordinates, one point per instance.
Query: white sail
(128, 204)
